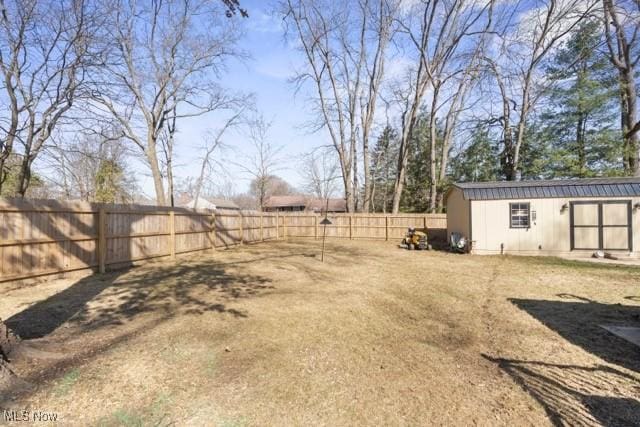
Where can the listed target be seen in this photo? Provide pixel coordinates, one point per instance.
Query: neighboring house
(562, 217)
(303, 203)
(211, 203)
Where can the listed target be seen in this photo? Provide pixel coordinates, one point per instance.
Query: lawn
(268, 335)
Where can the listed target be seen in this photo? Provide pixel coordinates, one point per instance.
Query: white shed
(560, 217)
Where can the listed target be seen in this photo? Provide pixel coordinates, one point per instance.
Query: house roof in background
(286, 201)
(211, 203)
(223, 203)
(588, 187)
(334, 205)
(305, 202)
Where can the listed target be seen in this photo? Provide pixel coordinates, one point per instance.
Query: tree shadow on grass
(99, 312)
(579, 321)
(577, 395)
(184, 287)
(193, 286)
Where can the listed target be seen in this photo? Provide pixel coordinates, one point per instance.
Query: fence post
(350, 227)
(284, 225)
(172, 234)
(102, 240)
(241, 228)
(386, 227)
(425, 222)
(277, 226)
(261, 228)
(315, 226)
(212, 231)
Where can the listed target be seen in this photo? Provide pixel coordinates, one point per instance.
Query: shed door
(602, 225)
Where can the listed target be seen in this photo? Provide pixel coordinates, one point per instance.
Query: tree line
(417, 95)
(87, 84)
(411, 95)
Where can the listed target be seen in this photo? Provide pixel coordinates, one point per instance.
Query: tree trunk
(356, 183)
(621, 49)
(580, 142)
(152, 157)
(351, 180)
(403, 152)
(6, 146)
(368, 188)
(8, 343)
(263, 193)
(506, 158)
(170, 172)
(630, 117)
(24, 176)
(522, 123)
(3, 172)
(400, 176)
(385, 200)
(444, 160)
(433, 136)
(170, 184)
(348, 191)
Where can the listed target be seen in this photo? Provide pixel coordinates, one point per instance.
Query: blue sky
(265, 75)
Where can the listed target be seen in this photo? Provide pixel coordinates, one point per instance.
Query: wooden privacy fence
(363, 226)
(39, 238)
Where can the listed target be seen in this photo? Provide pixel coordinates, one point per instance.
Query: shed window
(519, 214)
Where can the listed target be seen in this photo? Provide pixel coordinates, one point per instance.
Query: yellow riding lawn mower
(415, 239)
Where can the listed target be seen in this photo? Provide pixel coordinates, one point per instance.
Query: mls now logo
(26, 416)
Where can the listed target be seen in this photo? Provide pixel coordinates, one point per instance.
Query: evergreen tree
(580, 124)
(537, 154)
(109, 181)
(478, 162)
(415, 197)
(384, 158)
(416, 190)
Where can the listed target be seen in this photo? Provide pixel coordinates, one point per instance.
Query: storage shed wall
(458, 214)
(549, 234)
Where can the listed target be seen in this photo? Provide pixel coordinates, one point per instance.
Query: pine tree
(108, 181)
(415, 197)
(478, 162)
(384, 158)
(580, 123)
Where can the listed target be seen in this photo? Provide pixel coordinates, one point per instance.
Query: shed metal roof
(589, 187)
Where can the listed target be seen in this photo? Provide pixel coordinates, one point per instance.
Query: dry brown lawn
(268, 335)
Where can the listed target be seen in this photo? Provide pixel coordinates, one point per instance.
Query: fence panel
(227, 228)
(39, 238)
(364, 226)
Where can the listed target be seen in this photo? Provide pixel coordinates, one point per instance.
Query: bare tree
(213, 143)
(90, 169)
(265, 160)
(167, 140)
(345, 50)
(382, 17)
(454, 106)
(165, 59)
(320, 173)
(516, 64)
(45, 51)
(436, 32)
(622, 30)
